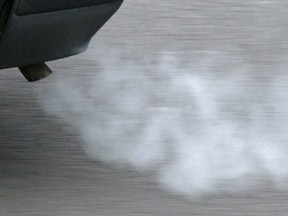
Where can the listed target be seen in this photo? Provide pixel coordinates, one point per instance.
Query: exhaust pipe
(35, 72)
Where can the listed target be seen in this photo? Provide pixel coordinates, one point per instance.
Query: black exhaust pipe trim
(35, 72)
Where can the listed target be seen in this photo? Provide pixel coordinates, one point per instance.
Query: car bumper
(30, 36)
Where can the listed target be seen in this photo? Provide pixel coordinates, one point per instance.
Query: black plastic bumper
(31, 36)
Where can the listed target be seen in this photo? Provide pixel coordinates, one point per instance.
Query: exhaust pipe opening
(35, 72)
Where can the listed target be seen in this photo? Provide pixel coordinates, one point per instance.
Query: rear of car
(35, 31)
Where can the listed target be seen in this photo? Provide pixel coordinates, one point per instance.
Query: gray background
(43, 169)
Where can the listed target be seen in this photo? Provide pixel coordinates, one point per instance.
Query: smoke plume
(203, 122)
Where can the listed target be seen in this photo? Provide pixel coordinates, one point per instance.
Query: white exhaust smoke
(204, 121)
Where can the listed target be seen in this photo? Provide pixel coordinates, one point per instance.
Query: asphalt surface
(43, 168)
